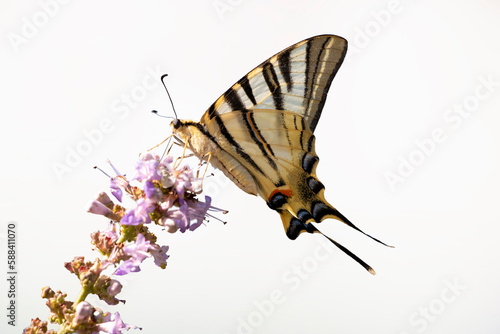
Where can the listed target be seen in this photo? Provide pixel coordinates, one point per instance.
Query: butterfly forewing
(296, 79)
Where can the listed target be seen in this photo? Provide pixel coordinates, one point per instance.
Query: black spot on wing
(277, 201)
(320, 210)
(315, 185)
(304, 215)
(296, 227)
(308, 162)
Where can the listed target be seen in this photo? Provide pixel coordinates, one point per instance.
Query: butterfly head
(182, 129)
(179, 129)
(194, 135)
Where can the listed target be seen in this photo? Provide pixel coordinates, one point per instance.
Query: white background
(409, 64)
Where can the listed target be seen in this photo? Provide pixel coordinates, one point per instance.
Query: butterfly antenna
(169, 97)
(168, 146)
(95, 167)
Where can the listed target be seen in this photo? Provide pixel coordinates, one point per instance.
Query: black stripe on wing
(245, 84)
(233, 100)
(273, 84)
(231, 96)
(285, 68)
(317, 62)
(257, 137)
(236, 146)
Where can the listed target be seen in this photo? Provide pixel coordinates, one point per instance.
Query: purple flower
(137, 252)
(111, 232)
(188, 211)
(115, 188)
(160, 255)
(146, 170)
(114, 326)
(152, 193)
(182, 182)
(127, 267)
(167, 202)
(149, 188)
(181, 179)
(139, 215)
(145, 156)
(176, 219)
(197, 210)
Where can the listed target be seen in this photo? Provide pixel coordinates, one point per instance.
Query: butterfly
(259, 133)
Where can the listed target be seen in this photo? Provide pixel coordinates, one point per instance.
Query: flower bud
(169, 225)
(83, 313)
(114, 287)
(98, 208)
(104, 199)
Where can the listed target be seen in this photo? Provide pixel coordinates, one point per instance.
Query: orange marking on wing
(284, 192)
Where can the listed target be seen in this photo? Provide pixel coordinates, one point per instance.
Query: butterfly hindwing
(281, 148)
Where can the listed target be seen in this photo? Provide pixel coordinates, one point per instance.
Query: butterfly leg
(169, 145)
(164, 140)
(209, 155)
(177, 161)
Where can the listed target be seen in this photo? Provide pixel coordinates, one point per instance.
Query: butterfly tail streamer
(294, 227)
(346, 221)
(351, 254)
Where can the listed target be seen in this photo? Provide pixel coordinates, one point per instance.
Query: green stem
(122, 239)
(83, 294)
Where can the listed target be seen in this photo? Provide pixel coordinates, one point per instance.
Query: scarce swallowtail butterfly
(259, 133)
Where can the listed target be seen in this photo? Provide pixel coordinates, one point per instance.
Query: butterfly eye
(176, 123)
